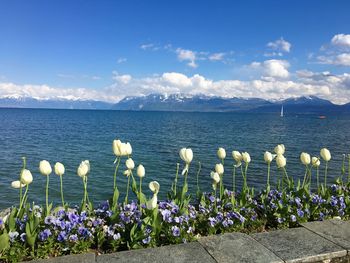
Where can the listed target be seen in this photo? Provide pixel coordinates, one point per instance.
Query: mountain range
(182, 102)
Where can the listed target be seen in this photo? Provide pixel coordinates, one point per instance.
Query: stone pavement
(327, 241)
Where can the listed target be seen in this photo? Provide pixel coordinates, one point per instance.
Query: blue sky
(106, 50)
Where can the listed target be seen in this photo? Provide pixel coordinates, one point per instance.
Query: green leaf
(4, 241)
(12, 219)
(115, 199)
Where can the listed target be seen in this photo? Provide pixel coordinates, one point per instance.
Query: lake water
(70, 136)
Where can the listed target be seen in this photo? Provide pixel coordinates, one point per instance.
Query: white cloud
(124, 79)
(121, 60)
(271, 69)
(342, 59)
(187, 55)
(150, 46)
(216, 56)
(341, 40)
(280, 45)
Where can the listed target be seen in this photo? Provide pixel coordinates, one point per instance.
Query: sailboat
(282, 111)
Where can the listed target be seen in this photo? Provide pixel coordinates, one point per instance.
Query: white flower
(281, 161)
(141, 171)
(215, 176)
(59, 169)
(121, 149)
(221, 153)
(154, 187)
(246, 157)
(128, 149)
(219, 168)
(45, 168)
(280, 149)
(17, 184)
(117, 147)
(84, 168)
(305, 158)
(130, 164)
(152, 203)
(237, 156)
(186, 155)
(127, 172)
(325, 154)
(268, 157)
(26, 177)
(315, 161)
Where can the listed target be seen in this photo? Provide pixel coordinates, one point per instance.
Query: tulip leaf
(4, 241)
(115, 199)
(12, 219)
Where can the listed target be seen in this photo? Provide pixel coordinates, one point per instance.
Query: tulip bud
(268, 157)
(128, 149)
(237, 156)
(246, 157)
(186, 155)
(221, 153)
(59, 169)
(26, 177)
(17, 184)
(315, 162)
(116, 147)
(280, 149)
(130, 164)
(215, 176)
(305, 158)
(219, 168)
(127, 172)
(141, 171)
(84, 168)
(281, 161)
(325, 154)
(154, 187)
(45, 168)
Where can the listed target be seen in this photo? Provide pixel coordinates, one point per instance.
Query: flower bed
(30, 231)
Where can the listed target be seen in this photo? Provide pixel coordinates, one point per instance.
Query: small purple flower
(334, 201)
(298, 201)
(146, 240)
(74, 218)
(293, 218)
(49, 220)
(23, 237)
(116, 236)
(1, 222)
(13, 236)
(321, 216)
(280, 220)
(212, 198)
(166, 216)
(300, 213)
(176, 231)
(73, 238)
(61, 213)
(62, 236)
(45, 234)
(212, 221)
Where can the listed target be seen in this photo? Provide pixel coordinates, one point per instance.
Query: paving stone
(184, 253)
(237, 247)
(80, 258)
(299, 245)
(335, 230)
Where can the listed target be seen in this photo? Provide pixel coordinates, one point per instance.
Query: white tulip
(128, 149)
(246, 157)
(221, 153)
(141, 171)
(26, 177)
(215, 176)
(59, 169)
(237, 156)
(268, 157)
(152, 203)
(219, 168)
(154, 187)
(280, 149)
(127, 172)
(315, 161)
(130, 164)
(45, 168)
(325, 154)
(281, 161)
(186, 155)
(84, 168)
(116, 147)
(305, 158)
(17, 184)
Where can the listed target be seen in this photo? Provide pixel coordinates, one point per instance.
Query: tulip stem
(47, 194)
(61, 181)
(197, 177)
(304, 181)
(268, 177)
(85, 192)
(115, 174)
(234, 179)
(325, 175)
(127, 189)
(140, 193)
(349, 168)
(24, 197)
(176, 176)
(317, 177)
(245, 176)
(20, 179)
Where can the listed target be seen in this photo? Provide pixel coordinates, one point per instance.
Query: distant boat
(282, 111)
(322, 117)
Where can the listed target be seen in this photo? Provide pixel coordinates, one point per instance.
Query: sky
(106, 50)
